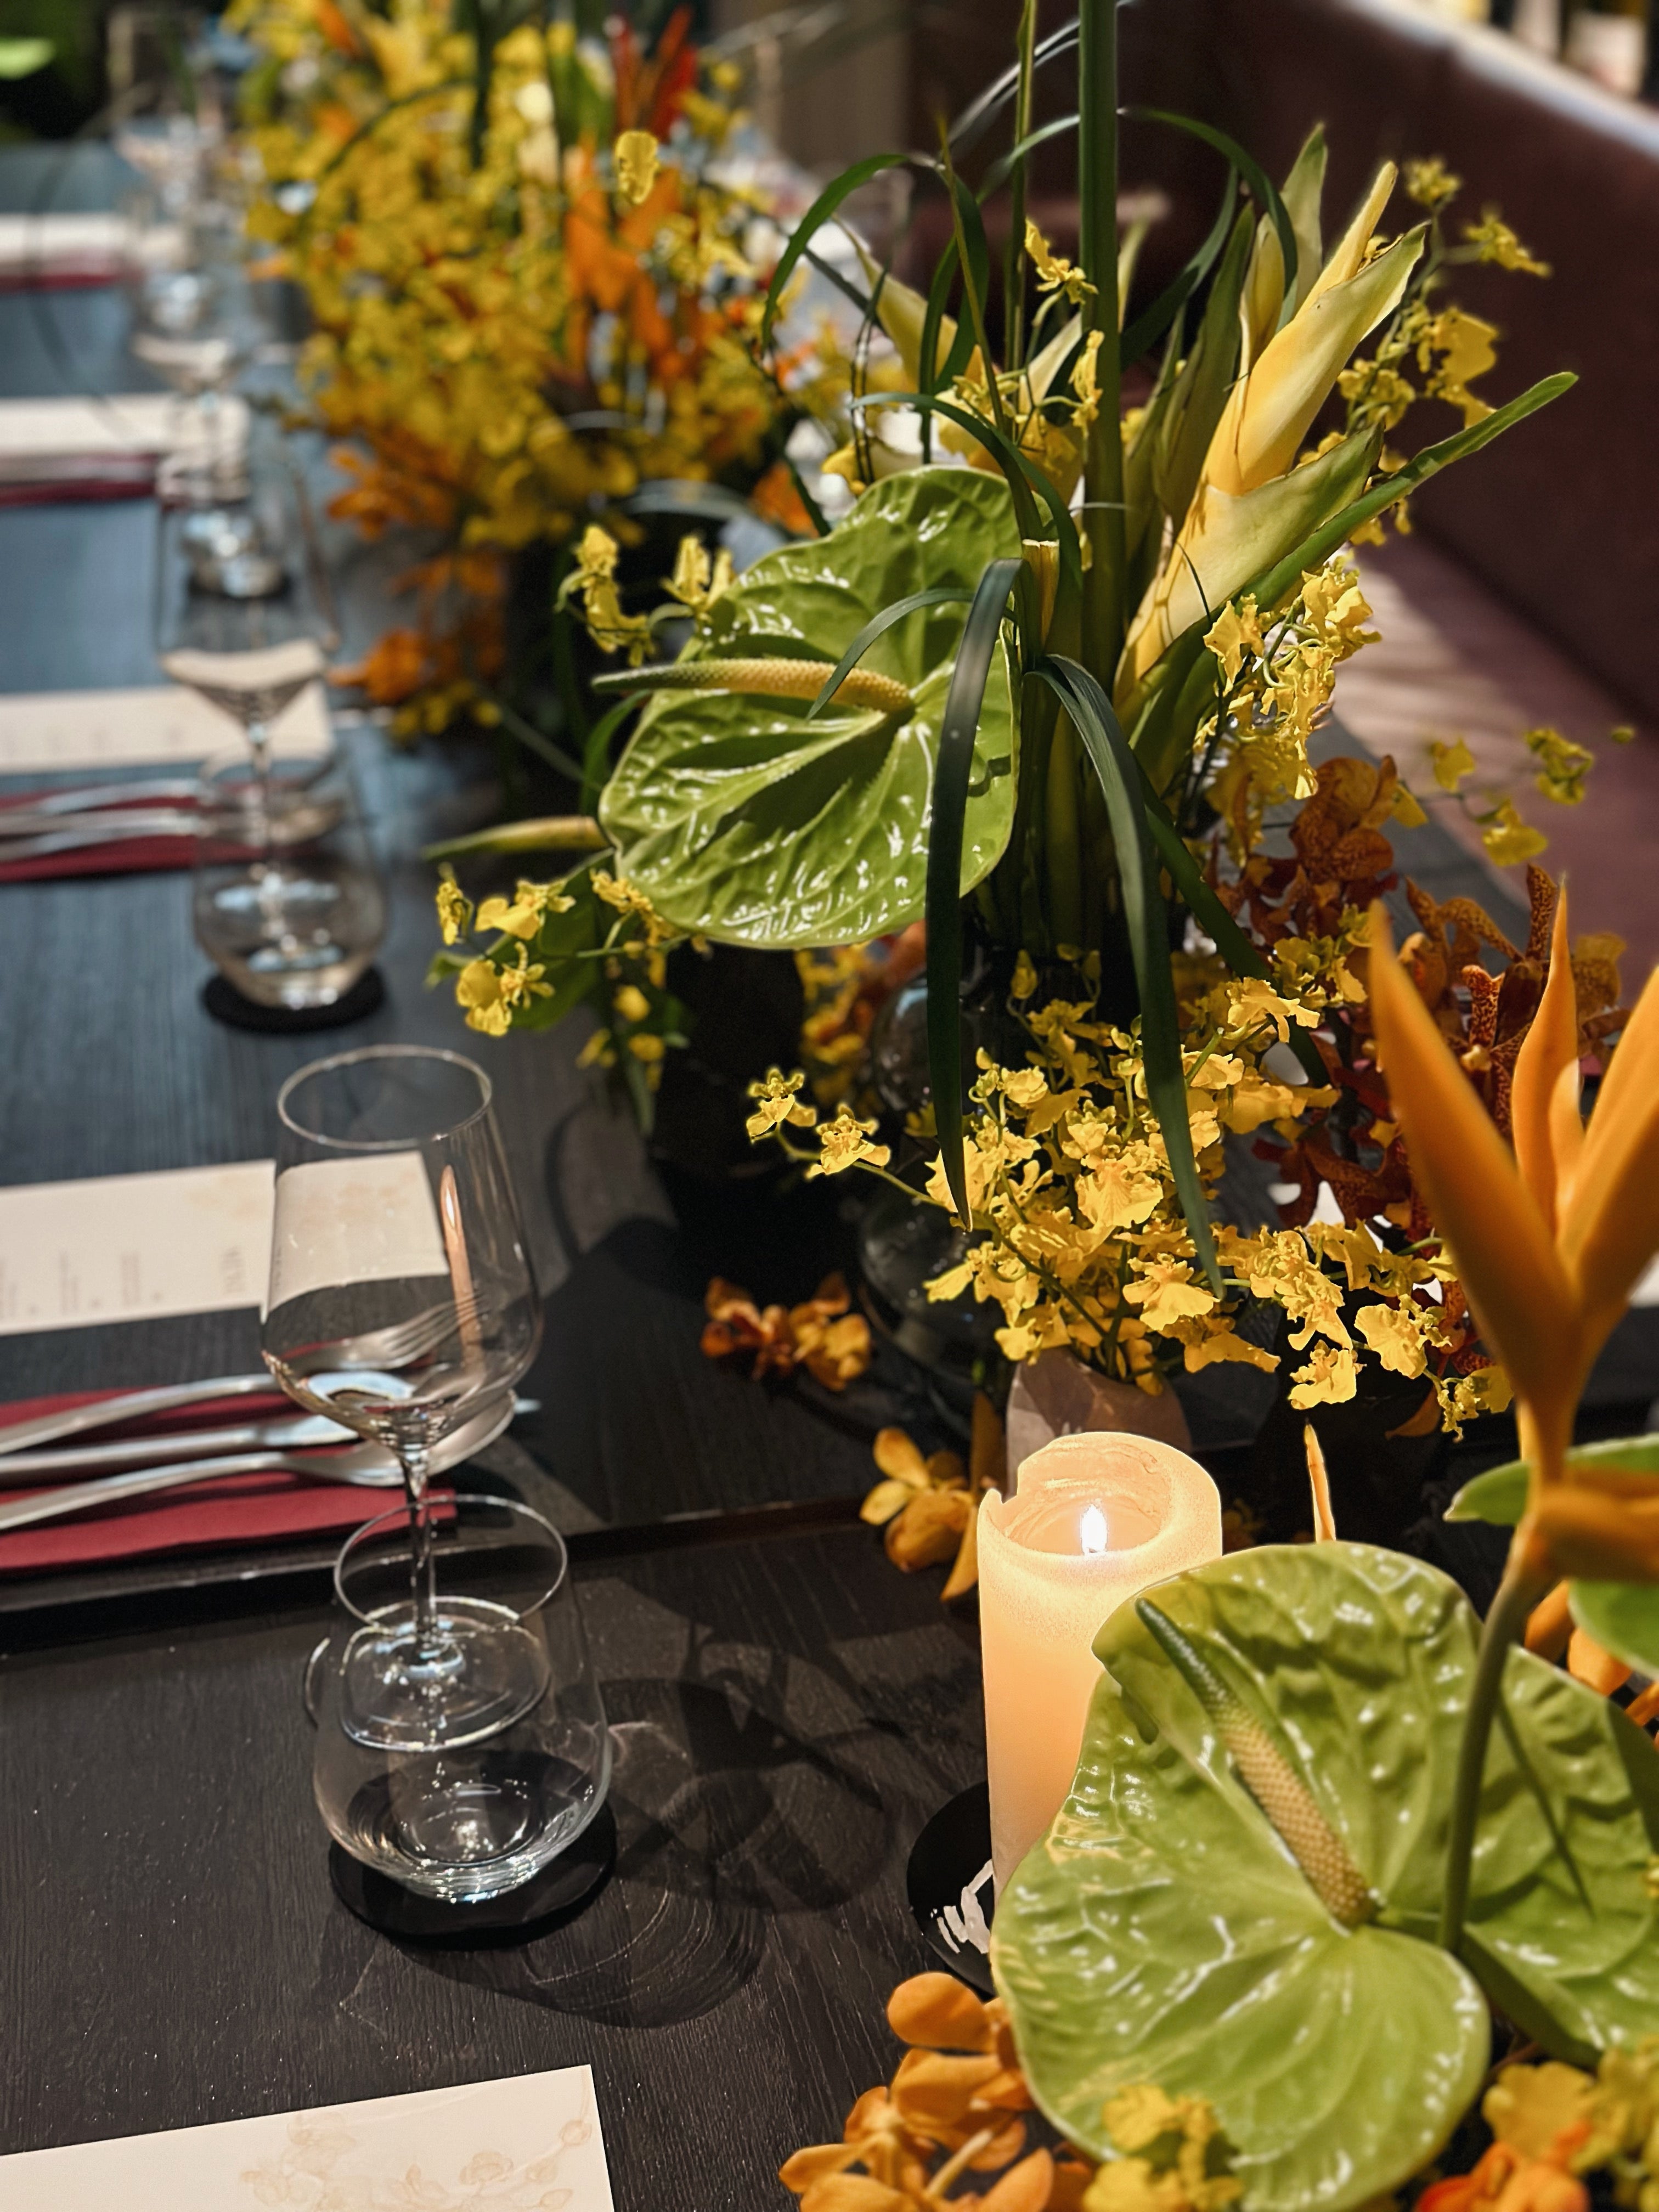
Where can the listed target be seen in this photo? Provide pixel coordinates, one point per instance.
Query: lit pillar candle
(1093, 1521)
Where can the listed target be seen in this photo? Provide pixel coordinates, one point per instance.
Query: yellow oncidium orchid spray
(1548, 1242)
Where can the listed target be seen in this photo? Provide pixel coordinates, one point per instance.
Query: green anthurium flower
(1237, 1901)
(742, 819)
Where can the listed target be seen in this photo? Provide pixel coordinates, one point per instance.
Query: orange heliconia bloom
(1548, 1240)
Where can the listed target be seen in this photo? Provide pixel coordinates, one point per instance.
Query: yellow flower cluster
(1278, 676)
(1080, 1235)
(590, 935)
(1083, 1246)
(521, 314)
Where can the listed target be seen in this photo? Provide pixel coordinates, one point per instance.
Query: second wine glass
(401, 1303)
(244, 614)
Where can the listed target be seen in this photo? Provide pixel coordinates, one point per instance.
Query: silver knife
(289, 1432)
(83, 798)
(292, 1432)
(22, 826)
(369, 1465)
(130, 1406)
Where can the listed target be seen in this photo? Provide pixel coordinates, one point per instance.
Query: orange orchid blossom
(1548, 1241)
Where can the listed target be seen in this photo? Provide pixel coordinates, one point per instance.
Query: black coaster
(949, 1881)
(226, 1005)
(554, 1894)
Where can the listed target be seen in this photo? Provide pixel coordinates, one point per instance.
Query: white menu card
(198, 1240)
(49, 733)
(531, 2144)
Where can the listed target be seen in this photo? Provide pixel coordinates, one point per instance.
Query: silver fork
(370, 1467)
(400, 1341)
(398, 1345)
(365, 1465)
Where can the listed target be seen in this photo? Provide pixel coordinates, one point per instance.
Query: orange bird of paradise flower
(1549, 1240)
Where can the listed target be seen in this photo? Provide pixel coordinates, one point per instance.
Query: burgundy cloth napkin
(136, 483)
(111, 856)
(229, 1511)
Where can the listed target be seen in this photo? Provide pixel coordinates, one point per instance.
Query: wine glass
(243, 610)
(287, 902)
(401, 1302)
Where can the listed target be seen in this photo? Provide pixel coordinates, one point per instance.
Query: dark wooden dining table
(787, 1709)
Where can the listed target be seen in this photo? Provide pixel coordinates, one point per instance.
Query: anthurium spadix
(1254, 444)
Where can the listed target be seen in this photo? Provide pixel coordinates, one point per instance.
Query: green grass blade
(1315, 550)
(1247, 167)
(1151, 324)
(983, 110)
(1002, 168)
(1243, 957)
(952, 777)
(826, 204)
(1091, 715)
(596, 754)
(938, 595)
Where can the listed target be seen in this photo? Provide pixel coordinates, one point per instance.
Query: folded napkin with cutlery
(132, 830)
(226, 1512)
(103, 448)
(49, 250)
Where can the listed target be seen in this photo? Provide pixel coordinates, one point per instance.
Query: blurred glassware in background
(244, 613)
(288, 903)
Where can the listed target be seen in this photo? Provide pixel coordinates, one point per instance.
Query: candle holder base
(948, 1884)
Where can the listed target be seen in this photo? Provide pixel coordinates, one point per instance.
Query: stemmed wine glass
(402, 1302)
(243, 610)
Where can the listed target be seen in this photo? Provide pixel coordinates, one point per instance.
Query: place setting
(828, 1241)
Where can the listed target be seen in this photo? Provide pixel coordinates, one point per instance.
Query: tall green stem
(1505, 1624)
(1102, 478)
(1013, 285)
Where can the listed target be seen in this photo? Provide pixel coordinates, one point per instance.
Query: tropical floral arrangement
(1069, 786)
(529, 266)
(958, 2108)
(1333, 1848)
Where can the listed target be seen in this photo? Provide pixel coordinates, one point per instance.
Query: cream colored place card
(133, 1246)
(46, 732)
(58, 441)
(71, 245)
(198, 1240)
(529, 2145)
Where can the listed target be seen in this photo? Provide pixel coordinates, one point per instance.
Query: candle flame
(1092, 1532)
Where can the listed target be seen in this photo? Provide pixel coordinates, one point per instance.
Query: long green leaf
(1002, 168)
(828, 201)
(1024, 477)
(971, 126)
(1249, 168)
(951, 778)
(1243, 957)
(1317, 548)
(1151, 324)
(1202, 386)
(938, 596)
(596, 754)
(1091, 715)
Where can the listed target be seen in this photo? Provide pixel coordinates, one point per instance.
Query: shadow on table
(753, 1786)
(725, 1821)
